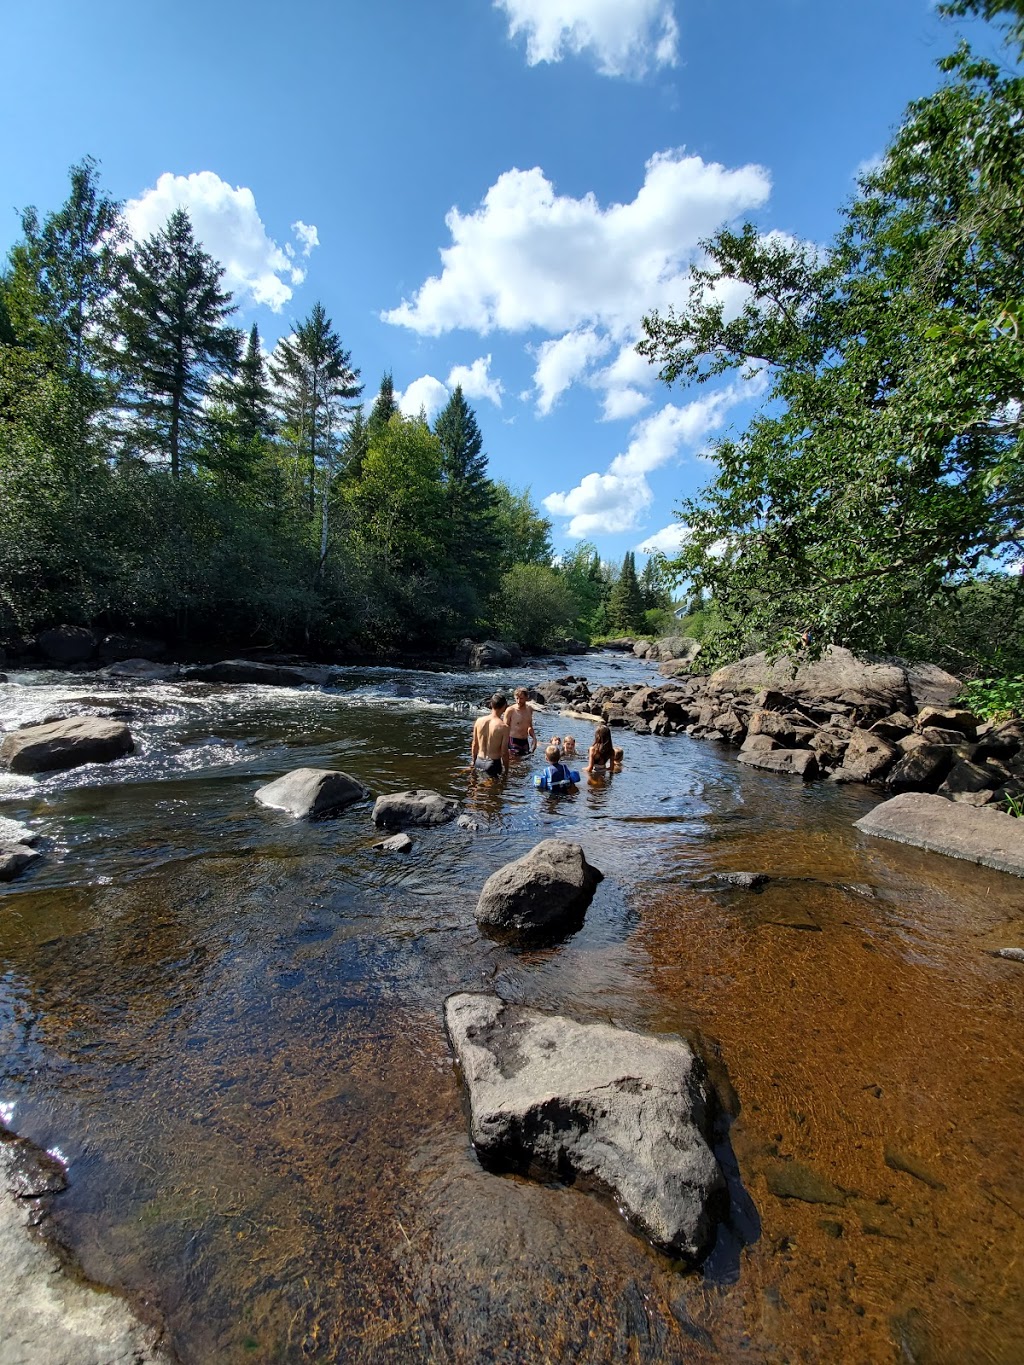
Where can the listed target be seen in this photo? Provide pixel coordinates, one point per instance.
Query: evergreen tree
(626, 607)
(170, 338)
(355, 446)
(654, 585)
(468, 527)
(384, 407)
(247, 395)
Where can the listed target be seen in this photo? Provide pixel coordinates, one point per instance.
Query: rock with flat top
(65, 744)
(795, 762)
(398, 843)
(546, 891)
(249, 671)
(419, 807)
(14, 859)
(626, 1112)
(311, 793)
(141, 670)
(974, 833)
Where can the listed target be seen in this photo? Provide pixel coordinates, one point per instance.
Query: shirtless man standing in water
(489, 753)
(519, 719)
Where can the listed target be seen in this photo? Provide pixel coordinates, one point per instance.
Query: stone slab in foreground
(975, 833)
(627, 1111)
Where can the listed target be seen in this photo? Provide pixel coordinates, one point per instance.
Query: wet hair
(603, 744)
(556, 740)
(620, 754)
(521, 692)
(567, 741)
(553, 753)
(498, 702)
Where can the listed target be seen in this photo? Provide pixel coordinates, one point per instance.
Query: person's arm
(475, 747)
(506, 749)
(532, 733)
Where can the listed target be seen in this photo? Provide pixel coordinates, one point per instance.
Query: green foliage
(1014, 805)
(994, 698)
(626, 604)
(524, 536)
(534, 606)
(887, 464)
(469, 515)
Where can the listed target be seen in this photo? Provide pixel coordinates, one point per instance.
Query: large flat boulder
(311, 793)
(419, 807)
(975, 833)
(626, 1111)
(794, 762)
(838, 676)
(141, 670)
(65, 744)
(544, 892)
(249, 671)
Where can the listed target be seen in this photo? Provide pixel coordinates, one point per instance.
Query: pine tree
(247, 395)
(626, 607)
(355, 446)
(170, 338)
(469, 528)
(384, 407)
(654, 587)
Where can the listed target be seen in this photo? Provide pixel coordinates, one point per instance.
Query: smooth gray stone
(398, 843)
(311, 793)
(798, 762)
(544, 891)
(65, 744)
(974, 833)
(14, 858)
(418, 807)
(630, 1112)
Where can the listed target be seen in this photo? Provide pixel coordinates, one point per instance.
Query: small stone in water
(1012, 954)
(398, 843)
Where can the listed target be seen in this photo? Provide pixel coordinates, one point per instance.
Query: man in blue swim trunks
(522, 738)
(489, 753)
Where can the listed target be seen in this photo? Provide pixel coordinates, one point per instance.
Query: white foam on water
(13, 831)
(7, 1108)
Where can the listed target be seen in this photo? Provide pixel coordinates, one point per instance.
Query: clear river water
(229, 1025)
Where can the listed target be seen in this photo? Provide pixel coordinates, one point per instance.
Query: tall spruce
(247, 395)
(384, 407)
(469, 512)
(626, 607)
(170, 339)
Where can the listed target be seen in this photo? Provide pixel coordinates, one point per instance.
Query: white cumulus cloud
(228, 224)
(667, 541)
(561, 362)
(603, 504)
(477, 380)
(425, 394)
(622, 37)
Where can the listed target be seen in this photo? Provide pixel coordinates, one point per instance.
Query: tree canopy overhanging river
(229, 1023)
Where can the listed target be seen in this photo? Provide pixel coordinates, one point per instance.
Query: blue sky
(490, 192)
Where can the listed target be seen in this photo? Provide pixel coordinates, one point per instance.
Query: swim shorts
(490, 766)
(519, 746)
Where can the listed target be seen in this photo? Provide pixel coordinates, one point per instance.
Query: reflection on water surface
(231, 1026)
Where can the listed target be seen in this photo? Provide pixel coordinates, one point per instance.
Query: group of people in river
(508, 732)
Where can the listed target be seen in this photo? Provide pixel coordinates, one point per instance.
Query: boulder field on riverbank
(628, 1112)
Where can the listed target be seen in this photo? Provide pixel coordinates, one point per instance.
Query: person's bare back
(489, 752)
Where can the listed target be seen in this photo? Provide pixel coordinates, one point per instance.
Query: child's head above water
(569, 747)
(555, 741)
(620, 754)
(553, 753)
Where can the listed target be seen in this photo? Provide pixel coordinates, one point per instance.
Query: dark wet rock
(4, 678)
(867, 757)
(967, 779)
(646, 702)
(142, 670)
(794, 1180)
(545, 891)
(14, 859)
(116, 648)
(909, 1164)
(67, 644)
(639, 726)
(398, 843)
(922, 769)
(490, 654)
(65, 744)
(629, 1112)
(418, 807)
(311, 793)
(793, 762)
(979, 835)
(246, 671)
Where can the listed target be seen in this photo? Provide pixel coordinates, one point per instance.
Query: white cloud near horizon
(430, 394)
(668, 541)
(227, 223)
(621, 37)
(608, 503)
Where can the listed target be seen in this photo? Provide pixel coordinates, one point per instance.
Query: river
(229, 1026)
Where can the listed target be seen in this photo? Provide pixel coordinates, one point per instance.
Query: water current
(229, 1025)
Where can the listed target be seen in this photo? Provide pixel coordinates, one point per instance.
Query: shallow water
(229, 1024)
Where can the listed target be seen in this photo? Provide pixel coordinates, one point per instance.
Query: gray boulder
(630, 1113)
(921, 769)
(675, 648)
(544, 892)
(248, 671)
(794, 762)
(142, 670)
(67, 644)
(311, 793)
(931, 685)
(65, 744)
(975, 833)
(838, 676)
(419, 807)
(14, 858)
(867, 757)
(490, 654)
(397, 843)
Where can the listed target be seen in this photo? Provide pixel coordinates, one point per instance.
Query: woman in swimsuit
(602, 751)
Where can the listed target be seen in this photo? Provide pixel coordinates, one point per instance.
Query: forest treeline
(161, 473)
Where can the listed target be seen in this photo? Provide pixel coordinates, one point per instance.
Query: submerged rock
(398, 843)
(65, 744)
(418, 807)
(974, 833)
(311, 793)
(14, 858)
(628, 1111)
(545, 891)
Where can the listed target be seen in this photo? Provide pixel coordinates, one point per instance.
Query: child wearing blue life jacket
(557, 776)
